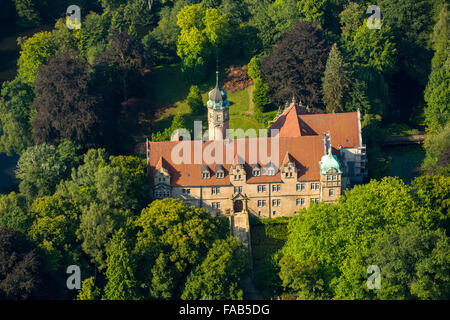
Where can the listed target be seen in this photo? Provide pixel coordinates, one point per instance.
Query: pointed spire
(293, 99)
(217, 72)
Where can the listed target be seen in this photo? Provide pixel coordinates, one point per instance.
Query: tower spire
(217, 72)
(217, 78)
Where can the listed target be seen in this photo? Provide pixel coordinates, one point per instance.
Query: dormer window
(256, 170)
(206, 174)
(271, 170)
(220, 171)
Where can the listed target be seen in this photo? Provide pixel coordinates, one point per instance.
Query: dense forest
(72, 110)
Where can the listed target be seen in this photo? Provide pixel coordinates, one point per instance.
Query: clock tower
(218, 112)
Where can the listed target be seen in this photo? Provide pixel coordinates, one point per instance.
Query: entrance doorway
(238, 206)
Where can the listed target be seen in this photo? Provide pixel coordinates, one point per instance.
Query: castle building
(313, 158)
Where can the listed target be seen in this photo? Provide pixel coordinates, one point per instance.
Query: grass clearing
(168, 91)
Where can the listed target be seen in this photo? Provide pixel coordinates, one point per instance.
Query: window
(276, 188)
(328, 178)
(274, 213)
(315, 186)
(301, 187)
(216, 205)
(256, 173)
(186, 191)
(211, 115)
(237, 177)
(158, 194)
(276, 202)
(261, 188)
(220, 175)
(331, 193)
(219, 117)
(262, 203)
(215, 190)
(205, 175)
(314, 200)
(300, 202)
(335, 178)
(259, 213)
(237, 189)
(271, 172)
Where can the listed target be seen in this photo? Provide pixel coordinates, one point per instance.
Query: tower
(218, 112)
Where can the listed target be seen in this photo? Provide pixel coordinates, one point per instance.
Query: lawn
(168, 91)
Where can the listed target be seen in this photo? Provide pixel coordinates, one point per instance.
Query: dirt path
(251, 108)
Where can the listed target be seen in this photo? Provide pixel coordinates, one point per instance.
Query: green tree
(412, 24)
(172, 240)
(88, 290)
(312, 10)
(55, 221)
(341, 236)
(13, 212)
(204, 32)
(415, 263)
(109, 192)
(195, 101)
(260, 96)
(436, 146)
(96, 228)
(161, 42)
(441, 38)
(121, 284)
(28, 14)
(254, 68)
(272, 19)
(335, 83)
(218, 277)
(166, 135)
(40, 169)
(35, 52)
(437, 96)
(372, 47)
(16, 113)
(433, 192)
(134, 170)
(303, 278)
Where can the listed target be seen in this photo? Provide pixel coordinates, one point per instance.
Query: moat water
(406, 161)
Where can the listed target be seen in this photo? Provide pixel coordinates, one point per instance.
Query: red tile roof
(306, 152)
(343, 127)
